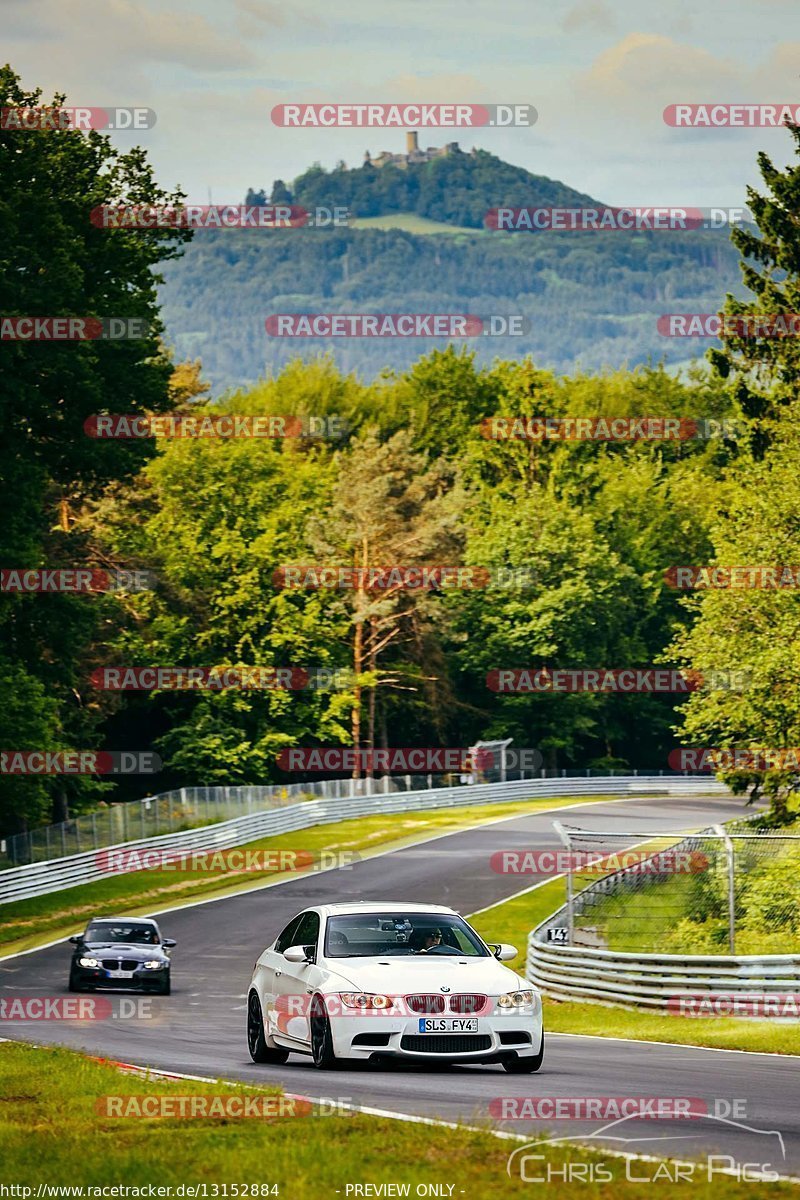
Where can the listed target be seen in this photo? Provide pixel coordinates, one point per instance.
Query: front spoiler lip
(479, 1056)
(99, 977)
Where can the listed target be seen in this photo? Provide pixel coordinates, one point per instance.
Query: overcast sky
(599, 74)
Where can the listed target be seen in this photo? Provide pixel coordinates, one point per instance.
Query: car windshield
(128, 931)
(377, 934)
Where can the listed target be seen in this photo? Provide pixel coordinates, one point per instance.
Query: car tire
(321, 1036)
(166, 987)
(260, 1052)
(73, 985)
(526, 1065)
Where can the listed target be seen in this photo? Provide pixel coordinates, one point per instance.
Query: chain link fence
(193, 807)
(731, 889)
(184, 808)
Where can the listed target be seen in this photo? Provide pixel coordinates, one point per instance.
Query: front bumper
(140, 979)
(494, 1039)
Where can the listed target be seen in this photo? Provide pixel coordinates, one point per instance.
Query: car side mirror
(77, 939)
(168, 943)
(503, 952)
(296, 954)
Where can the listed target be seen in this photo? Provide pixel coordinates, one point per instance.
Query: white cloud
(652, 70)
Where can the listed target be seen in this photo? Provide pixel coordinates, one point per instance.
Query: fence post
(564, 836)
(731, 857)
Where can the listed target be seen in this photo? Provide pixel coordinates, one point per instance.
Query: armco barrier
(37, 879)
(654, 981)
(650, 981)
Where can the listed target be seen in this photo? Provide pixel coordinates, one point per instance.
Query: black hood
(122, 950)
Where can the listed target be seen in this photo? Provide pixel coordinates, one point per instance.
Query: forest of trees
(458, 189)
(592, 300)
(592, 526)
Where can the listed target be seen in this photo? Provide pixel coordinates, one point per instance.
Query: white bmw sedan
(407, 981)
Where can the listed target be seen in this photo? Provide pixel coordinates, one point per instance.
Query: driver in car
(432, 938)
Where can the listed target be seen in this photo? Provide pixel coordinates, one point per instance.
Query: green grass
(52, 1133)
(723, 1033)
(29, 922)
(638, 922)
(410, 223)
(512, 920)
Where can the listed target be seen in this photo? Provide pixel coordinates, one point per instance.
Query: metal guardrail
(182, 809)
(38, 879)
(650, 981)
(655, 981)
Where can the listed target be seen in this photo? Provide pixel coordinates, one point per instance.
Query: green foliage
(592, 299)
(457, 188)
(55, 262)
(413, 481)
(756, 514)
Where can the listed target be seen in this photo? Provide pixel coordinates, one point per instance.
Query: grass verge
(28, 923)
(54, 1133)
(512, 920)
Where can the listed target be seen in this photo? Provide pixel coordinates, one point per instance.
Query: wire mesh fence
(184, 808)
(722, 890)
(190, 808)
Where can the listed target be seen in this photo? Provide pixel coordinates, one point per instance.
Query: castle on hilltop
(413, 153)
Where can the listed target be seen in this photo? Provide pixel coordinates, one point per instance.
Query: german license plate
(120, 974)
(448, 1024)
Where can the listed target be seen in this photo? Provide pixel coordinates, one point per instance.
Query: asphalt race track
(200, 1028)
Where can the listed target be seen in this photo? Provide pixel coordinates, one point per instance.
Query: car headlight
(153, 964)
(516, 1000)
(88, 962)
(365, 1000)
